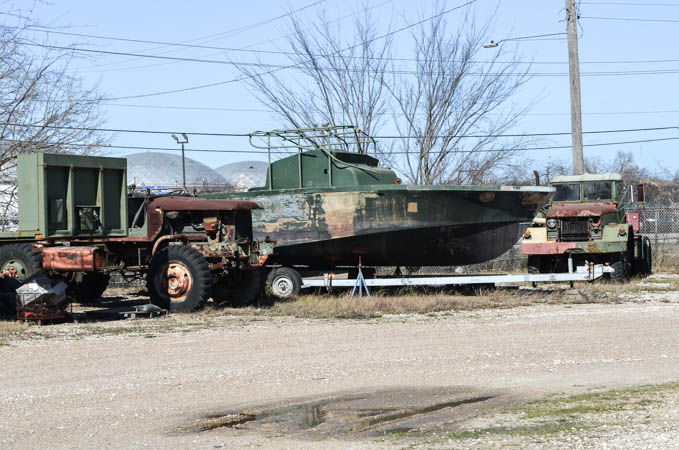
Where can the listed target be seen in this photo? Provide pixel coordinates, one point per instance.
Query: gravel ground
(459, 380)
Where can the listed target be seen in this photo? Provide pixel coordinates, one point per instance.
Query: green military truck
(585, 222)
(78, 222)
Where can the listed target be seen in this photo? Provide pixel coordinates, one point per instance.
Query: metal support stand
(360, 282)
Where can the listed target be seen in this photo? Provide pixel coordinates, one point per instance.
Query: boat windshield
(567, 192)
(600, 190)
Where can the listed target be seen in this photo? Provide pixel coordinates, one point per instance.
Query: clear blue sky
(613, 96)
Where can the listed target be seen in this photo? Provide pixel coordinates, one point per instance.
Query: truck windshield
(601, 190)
(567, 192)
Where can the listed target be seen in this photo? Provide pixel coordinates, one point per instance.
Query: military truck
(586, 222)
(79, 222)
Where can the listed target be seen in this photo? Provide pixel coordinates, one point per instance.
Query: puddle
(370, 413)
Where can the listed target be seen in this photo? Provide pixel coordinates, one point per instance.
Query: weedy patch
(10, 331)
(344, 306)
(562, 416)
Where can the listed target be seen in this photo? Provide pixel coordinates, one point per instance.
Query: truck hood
(587, 209)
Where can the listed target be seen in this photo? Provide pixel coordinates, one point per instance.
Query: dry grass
(344, 306)
(10, 331)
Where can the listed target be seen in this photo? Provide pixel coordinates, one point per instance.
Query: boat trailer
(587, 272)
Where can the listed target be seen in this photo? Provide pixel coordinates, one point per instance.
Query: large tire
(18, 261)
(622, 269)
(90, 287)
(179, 279)
(647, 262)
(240, 288)
(534, 264)
(284, 282)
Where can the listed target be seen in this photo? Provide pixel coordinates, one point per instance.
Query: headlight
(551, 223)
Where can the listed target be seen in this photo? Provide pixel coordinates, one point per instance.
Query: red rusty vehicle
(586, 222)
(78, 222)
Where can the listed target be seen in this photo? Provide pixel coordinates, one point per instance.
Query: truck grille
(574, 230)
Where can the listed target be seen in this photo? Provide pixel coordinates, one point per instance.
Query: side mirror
(640, 193)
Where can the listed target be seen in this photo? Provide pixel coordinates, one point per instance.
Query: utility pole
(182, 142)
(574, 71)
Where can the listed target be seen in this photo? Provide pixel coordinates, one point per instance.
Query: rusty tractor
(78, 222)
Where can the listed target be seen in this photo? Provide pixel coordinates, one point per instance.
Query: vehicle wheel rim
(282, 286)
(175, 280)
(14, 269)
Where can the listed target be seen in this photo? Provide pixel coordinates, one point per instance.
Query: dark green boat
(327, 204)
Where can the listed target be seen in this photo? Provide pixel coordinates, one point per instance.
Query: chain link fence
(661, 225)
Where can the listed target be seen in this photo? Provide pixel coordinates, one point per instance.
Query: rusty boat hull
(390, 225)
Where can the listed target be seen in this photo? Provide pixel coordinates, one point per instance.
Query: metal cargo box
(67, 196)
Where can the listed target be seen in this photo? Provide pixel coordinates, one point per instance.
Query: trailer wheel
(179, 279)
(622, 269)
(239, 288)
(18, 261)
(284, 282)
(90, 288)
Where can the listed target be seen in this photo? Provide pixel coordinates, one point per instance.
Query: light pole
(182, 142)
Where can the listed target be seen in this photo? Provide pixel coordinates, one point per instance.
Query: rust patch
(174, 203)
(74, 259)
(412, 207)
(587, 209)
(546, 248)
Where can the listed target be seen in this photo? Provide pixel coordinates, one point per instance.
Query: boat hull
(399, 225)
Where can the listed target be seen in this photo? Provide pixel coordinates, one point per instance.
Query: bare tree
(42, 108)
(342, 80)
(452, 94)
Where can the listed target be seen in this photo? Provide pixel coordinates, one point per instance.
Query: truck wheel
(90, 288)
(622, 269)
(284, 282)
(18, 261)
(647, 264)
(179, 279)
(239, 288)
(534, 264)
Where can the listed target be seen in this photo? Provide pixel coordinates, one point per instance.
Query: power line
(629, 19)
(259, 64)
(277, 67)
(206, 108)
(628, 4)
(200, 133)
(254, 150)
(220, 83)
(268, 41)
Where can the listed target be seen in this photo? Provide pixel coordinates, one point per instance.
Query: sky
(628, 55)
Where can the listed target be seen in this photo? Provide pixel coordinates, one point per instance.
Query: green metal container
(70, 196)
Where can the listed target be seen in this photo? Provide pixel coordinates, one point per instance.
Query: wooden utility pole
(574, 70)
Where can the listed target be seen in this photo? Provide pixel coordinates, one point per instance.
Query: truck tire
(648, 257)
(240, 288)
(622, 269)
(18, 261)
(534, 264)
(90, 288)
(284, 282)
(179, 279)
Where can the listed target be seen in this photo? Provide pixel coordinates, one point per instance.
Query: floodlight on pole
(493, 44)
(182, 142)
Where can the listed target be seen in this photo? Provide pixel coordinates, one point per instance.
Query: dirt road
(298, 383)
